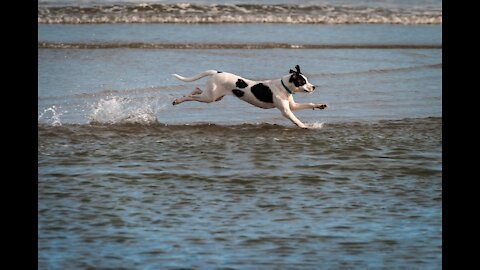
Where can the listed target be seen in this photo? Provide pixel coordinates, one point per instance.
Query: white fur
(222, 84)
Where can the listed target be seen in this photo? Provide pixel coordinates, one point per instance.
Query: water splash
(118, 110)
(51, 115)
(316, 125)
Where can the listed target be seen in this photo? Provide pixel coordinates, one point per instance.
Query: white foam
(293, 19)
(238, 13)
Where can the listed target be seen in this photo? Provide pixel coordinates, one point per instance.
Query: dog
(277, 93)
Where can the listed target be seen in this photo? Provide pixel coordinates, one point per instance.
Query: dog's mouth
(308, 91)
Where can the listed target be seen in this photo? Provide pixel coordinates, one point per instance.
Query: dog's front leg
(302, 106)
(285, 109)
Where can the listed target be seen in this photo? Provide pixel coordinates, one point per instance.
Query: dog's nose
(313, 87)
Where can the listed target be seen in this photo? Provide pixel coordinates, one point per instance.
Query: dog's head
(300, 81)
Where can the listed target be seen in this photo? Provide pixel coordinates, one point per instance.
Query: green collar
(286, 88)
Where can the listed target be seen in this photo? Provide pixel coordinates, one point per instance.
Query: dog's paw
(320, 106)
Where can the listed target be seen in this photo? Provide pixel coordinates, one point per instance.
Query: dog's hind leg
(189, 97)
(207, 96)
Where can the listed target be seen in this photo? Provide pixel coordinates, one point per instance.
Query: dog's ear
(297, 67)
(291, 71)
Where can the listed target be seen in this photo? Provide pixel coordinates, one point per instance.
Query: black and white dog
(265, 94)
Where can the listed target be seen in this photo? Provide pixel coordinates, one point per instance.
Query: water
(128, 181)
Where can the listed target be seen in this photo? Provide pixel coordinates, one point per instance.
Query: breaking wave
(237, 13)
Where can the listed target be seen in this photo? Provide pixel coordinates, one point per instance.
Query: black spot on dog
(262, 92)
(241, 83)
(219, 71)
(297, 80)
(238, 93)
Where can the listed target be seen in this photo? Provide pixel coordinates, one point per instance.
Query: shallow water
(244, 196)
(357, 84)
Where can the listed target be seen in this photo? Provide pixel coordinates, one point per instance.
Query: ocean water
(128, 181)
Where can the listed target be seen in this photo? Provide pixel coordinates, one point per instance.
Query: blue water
(128, 181)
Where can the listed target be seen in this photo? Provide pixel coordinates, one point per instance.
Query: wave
(156, 127)
(237, 13)
(140, 45)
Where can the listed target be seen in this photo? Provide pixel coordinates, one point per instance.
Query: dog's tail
(196, 77)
